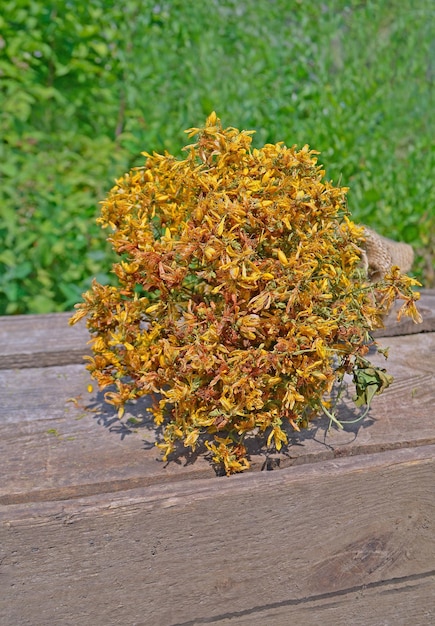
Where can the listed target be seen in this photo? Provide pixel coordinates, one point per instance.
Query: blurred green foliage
(86, 86)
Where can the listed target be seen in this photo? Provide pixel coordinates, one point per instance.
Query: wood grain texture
(46, 340)
(95, 529)
(41, 341)
(54, 448)
(307, 540)
(400, 602)
(57, 441)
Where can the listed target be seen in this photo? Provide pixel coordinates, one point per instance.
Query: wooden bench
(97, 530)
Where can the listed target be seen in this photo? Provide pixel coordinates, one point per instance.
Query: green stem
(332, 417)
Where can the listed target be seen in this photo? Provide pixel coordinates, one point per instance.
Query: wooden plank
(401, 602)
(52, 448)
(45, 340)
(57, 441)
(41, 341)
(107, 534)
(312, 538)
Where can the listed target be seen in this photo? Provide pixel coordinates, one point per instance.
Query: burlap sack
(381, 253)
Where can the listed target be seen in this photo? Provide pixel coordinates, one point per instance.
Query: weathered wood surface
(41, 341)
(262, 548)
(44, 340)
(94, 528)
(62, 442)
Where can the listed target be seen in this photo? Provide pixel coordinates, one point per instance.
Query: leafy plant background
(86, 86)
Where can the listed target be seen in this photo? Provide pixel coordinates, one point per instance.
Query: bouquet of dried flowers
(241, 296)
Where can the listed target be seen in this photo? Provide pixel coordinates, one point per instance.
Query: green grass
(87, 86)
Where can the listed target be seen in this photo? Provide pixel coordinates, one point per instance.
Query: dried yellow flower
(241, 296)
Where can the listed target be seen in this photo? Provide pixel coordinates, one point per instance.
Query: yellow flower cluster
(241, 299)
